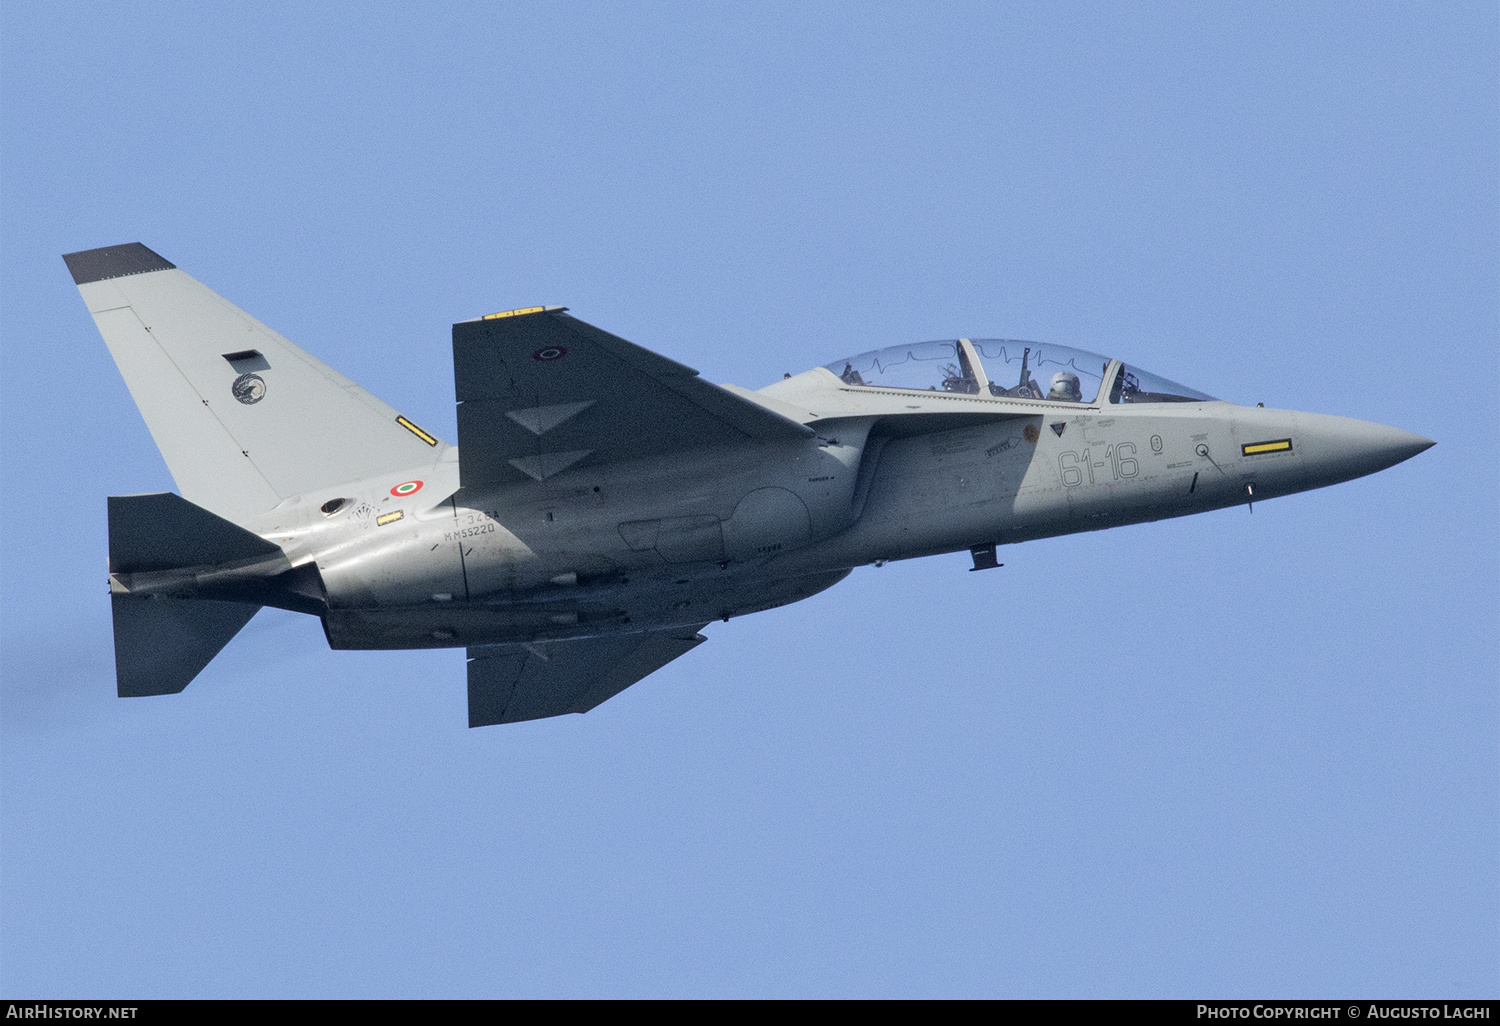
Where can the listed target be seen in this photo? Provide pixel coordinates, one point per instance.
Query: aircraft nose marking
(1257, 448)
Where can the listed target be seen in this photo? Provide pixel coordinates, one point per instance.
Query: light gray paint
(311, 426)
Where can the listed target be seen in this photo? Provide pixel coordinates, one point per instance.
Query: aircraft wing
(540, 392)
(510, 683)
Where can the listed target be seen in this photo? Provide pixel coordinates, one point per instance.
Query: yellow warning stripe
(389, 518)
(521, 312)
(423, 435)
(1280, 445)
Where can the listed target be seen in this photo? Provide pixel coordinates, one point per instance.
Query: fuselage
(889, 473)
(608, 503)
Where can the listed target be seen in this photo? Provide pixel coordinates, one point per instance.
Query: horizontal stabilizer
(510, 683)
(161, 644)
(163, 531)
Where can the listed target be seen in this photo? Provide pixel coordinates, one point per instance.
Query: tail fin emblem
(249, 388)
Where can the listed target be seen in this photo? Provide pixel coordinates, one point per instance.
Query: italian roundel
(406, 488)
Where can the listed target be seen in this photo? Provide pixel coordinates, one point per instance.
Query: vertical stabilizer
(242, 416)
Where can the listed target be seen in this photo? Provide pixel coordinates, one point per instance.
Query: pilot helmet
(1065, 385)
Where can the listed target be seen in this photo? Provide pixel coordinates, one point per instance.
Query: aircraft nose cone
(1401, 445)
(1348, 448)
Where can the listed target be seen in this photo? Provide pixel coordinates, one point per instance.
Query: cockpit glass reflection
(925, 366)
(1133, 385)
(1031, 370)
(1015, 370)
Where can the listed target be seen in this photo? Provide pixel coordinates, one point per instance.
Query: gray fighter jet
(605, 503)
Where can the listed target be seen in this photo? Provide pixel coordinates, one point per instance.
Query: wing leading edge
(511, 683)
(541, 392)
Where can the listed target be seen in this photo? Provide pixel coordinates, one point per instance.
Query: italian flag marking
(406, 488)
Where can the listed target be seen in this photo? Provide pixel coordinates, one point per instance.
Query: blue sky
(1234, 754)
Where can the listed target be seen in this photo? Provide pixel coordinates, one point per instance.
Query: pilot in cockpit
(1065, 388)
(851, 376)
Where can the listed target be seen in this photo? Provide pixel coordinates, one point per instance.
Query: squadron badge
(249, 388)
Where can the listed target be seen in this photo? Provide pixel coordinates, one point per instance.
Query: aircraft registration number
(468, 532)
(1119, 462)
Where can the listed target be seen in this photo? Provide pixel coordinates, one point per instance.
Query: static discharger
(1257, 448)
(423, 435)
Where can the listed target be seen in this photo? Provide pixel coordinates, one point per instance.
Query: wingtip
(114, 262)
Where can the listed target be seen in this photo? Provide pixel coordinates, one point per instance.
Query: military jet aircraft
(604, 503)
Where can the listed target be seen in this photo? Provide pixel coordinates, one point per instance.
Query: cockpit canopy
(1029, 370)
(1005, 368)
